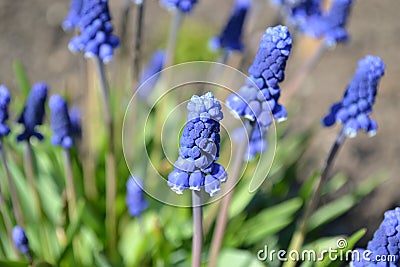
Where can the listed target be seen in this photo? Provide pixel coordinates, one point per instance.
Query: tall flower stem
(13, 191)
(301, 230)
(138, 40)
(7, 222)
(111, 182)
(302, 73)
(70, 184)
(233, 178)
(197, 229)
(30, 174)
(125, 8)
(176, 22)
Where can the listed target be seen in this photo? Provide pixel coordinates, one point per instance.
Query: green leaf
(238, 258)
(21, 77)
(270, 221)
(308, 185)
(4, 263)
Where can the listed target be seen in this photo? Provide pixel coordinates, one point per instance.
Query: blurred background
(30, 31)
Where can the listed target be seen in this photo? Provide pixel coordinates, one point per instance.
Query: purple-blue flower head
(330, 25)
(231, 36)
(135, 199)
(199, 148)
(75, 119)
(383, 249)
(20, 240)
(60, 122)
(74, 15)
(153, 67)
(297, 12)
(5, 99)
(96, 37)
(33, 113)
(356, 106)
(185, 6)
(257, 142)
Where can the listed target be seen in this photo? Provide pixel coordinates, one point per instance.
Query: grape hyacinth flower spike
(196, 166)
(74, 15)
(96, 37)
(185, 6)
(21, 241)
(60, 122)
(356, 106)
(384, 244)
(135, 200)
(33, 113)
(5, 99)
(258, 99)
(231, 35)
(153, 67)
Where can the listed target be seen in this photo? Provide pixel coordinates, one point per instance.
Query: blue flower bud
(135, 199)
(74, 15)
(20, 240)
(184, 6)
(5, 99)
(60, 122)
(230, 38)
(33, 113)
(153, 67)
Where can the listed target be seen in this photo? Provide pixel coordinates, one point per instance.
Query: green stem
(70, 184)
(197, 229)
(138, 40)
(173, 37)
(13, 191)
(30, 174)
(111, 182)
(233, 178)
(299, 236)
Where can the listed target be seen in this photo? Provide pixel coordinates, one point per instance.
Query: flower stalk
(197, 242)
(69, 183)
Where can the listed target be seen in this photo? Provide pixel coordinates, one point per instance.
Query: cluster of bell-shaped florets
(356, 106)
(96, 37)
(200, 140)
(383, 249)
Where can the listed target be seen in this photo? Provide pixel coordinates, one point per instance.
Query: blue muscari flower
(20, 240)
(96, 38)
(74, 15)
(297, 12)
(386, 241)
(184, 6)
(196, 166)
(330, 25)
(75, 119)
(5, 99)
(230, 38)
(135, 200)
(356, 106)
(33, 113)
(153, 67)
(257, 141)
(60, 122)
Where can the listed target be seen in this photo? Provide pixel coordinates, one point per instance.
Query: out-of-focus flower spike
(153, 67)
(135, 199)
(75, 118)
(5, 99)
(60, 122)
(231, 36)
(185, 6)
(356, 106)
(21, 241)
(33, 113)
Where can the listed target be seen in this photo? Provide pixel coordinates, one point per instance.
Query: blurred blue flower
(5, 99)
(199, 149)
(153, 67)
(231, 36)
(20, 240)
(185, 6)
(75, 119)
(74, 15)
(135, 200)
(60, 122)
(356, 106)
(297, 12)
(33, 113)
(95, 38)
(385, 242)
(257, 141)
(330, 25)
